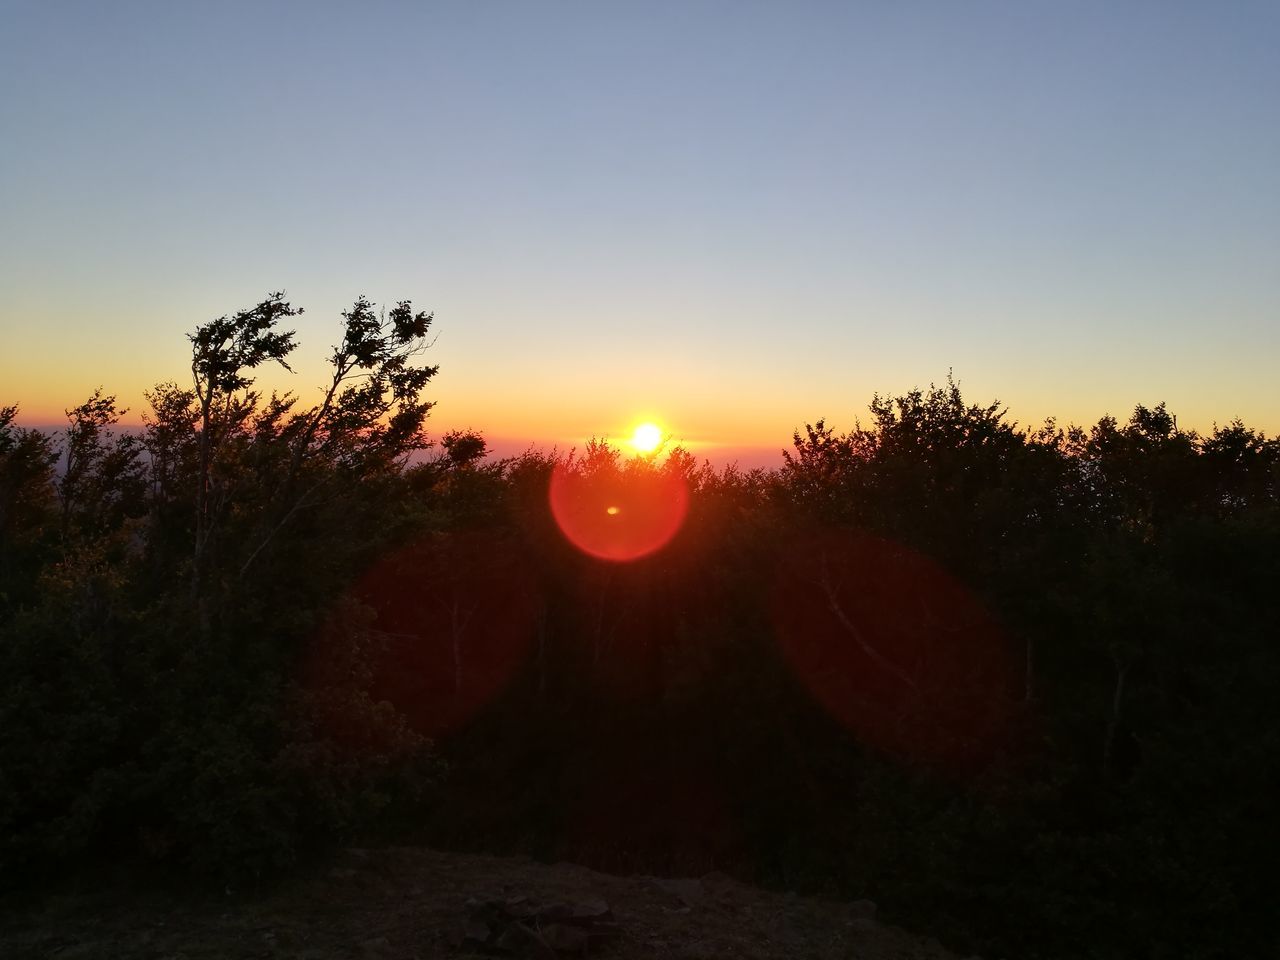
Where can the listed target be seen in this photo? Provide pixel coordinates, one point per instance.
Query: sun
(646, 438)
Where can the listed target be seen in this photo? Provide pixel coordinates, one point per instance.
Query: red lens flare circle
(894, 648)
(618, 516)
(442, 625)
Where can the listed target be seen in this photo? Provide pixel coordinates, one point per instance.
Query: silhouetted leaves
(1016, 682)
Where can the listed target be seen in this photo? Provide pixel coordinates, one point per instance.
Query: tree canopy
(1013, 682)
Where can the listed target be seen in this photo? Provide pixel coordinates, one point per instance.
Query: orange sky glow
(730, 229)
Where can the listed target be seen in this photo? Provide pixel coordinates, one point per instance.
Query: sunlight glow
(647, 438)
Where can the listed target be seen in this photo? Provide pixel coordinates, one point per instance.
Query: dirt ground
(401, 903)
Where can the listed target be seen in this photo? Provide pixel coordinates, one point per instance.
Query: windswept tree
(372, 411)
(368, 421)
(222, 353)
(284, 458)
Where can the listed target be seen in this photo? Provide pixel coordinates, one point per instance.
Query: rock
(564, 938)
(520, 908)
(689, 891)
(589, 910)
(605, 930)
(513, 939)
(515, 924)
(555, 911)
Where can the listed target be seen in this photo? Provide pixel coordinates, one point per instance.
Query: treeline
(1013, 684)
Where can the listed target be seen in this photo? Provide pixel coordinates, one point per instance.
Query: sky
(729, 218)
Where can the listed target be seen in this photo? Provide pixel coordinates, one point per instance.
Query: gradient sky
(731, 217)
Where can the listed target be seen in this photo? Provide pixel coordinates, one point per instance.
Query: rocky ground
(415, 903)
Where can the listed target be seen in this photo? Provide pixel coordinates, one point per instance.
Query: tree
(103, 478)
(1146, 472)
(26, 499)
(171, 442)
(1243, 467)
(370, 417)
(222, 350)
(464, 448)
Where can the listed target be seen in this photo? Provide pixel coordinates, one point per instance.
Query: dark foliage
(176, 679)
(1012, 683)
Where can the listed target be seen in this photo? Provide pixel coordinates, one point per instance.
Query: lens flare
(894, 648)
(452, 622)
(617, 515)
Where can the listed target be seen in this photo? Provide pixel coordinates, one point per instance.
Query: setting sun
(646, 438)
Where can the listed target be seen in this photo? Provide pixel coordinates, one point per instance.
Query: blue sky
(729, 217)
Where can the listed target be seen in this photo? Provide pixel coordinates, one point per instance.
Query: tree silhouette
(1016, 681)
(26, 500)
(102, 478)
(222, 351)
(370, 417)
